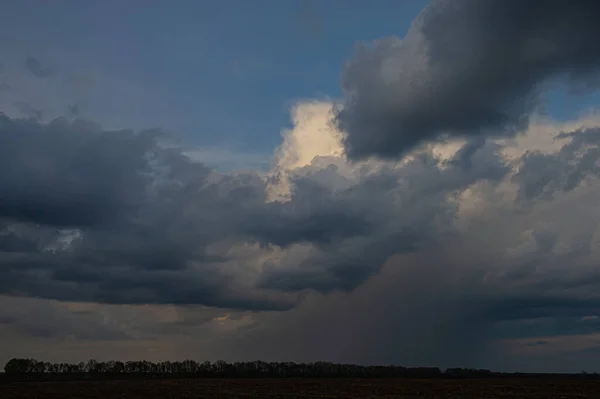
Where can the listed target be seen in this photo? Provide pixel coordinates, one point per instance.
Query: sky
(218, 73)
(374, 182)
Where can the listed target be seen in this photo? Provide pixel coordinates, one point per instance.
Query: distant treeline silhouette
(219, 369)
(32, 369)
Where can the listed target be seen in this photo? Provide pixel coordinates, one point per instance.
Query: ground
(546, 388)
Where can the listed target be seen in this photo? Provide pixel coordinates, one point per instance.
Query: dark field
(546, 388)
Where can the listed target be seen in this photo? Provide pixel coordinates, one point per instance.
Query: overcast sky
(369, 182)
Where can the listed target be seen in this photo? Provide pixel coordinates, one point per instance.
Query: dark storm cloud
(449, 289)
(111, 216)
(462, 296)
(51, 320)
(139, 218)
(540, 303)
(402, 211)
(116, 217)
(538, 343)
(67, 174)
(27, 110)
(444, 300)
(314, 214)
(74, 110)
(465, 68)
(36, 68)
(413, 300)
(541, 175)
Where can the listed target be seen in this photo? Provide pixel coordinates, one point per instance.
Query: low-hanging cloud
(465, 68)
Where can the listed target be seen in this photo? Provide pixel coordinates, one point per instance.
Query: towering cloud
(466, 68)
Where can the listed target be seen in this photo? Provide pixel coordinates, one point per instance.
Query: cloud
(538, 343)
(67, 174)
(313, 138)
(74, 331)
(460, 242)
(116, 217)
(74, 110)
(51, 320)
(36, 68)
(447, 247)
(225, 159)
(85, 208)
(77, 321)
(28, 111)
(465, 68)
(505, 267)
(541, 175)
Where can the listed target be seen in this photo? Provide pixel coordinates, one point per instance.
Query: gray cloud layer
(112, 216)
(116, 217)
(466, 67)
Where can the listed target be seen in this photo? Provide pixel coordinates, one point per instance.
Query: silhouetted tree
(31, 368)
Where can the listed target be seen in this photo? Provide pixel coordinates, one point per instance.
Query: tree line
(32, 369)
(219, 369)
